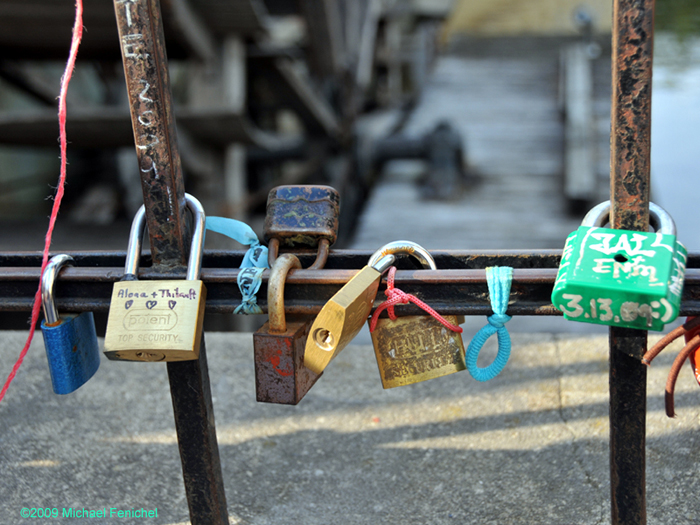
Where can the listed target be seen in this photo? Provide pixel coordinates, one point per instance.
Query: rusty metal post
(632, 46)
(148, 84)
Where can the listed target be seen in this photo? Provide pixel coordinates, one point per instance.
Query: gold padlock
(416, 348)
(342, 317)
(158, 320)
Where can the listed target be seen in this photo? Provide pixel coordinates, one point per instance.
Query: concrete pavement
(531, 446)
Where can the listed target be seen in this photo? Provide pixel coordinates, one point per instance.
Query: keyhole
(323, 339)
(620, 258)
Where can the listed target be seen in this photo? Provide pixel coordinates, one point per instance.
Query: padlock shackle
(385, 256)
(133, 250)
(48, 279)
(275, 291)
(659, 218)
(138, 227)
(194, 263)
(322, 253)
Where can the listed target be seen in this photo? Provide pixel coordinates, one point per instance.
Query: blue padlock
(70, 341)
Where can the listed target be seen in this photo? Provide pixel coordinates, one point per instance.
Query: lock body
(155, 320)
(620, 278)
(280, 374)
(341, 319)
(300, 216)
(72, 351)
(412, 349)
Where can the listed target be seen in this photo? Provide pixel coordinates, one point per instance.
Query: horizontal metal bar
(461, 289)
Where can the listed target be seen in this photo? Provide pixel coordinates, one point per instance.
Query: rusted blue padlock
(70, 341)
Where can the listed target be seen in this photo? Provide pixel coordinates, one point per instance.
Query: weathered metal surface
(458, 289)
(417, 348)
(302, 215)
(631, 113)
(632, 47)
(196, 437)
(150, 100)
(148, 85)
(628, 405)
(280, 374)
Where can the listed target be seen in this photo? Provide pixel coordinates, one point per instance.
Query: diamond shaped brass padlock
(621, 278)
(158, 320)
(415, 348)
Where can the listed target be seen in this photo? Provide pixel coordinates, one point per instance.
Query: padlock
(280, 374)
(619, 277)
(302, 216)
(158, 320)
(342, 317)
(70, 340)
(416, 348)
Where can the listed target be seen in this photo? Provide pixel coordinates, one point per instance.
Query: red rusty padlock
(280, 374)
(302, 217)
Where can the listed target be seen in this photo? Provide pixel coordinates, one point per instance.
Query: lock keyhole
(621, 258)
(324, 339)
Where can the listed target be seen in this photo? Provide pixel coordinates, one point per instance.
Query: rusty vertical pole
(632, 47)
(148, 84)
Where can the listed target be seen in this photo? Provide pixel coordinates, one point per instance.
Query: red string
(396, 296)
(65, 80)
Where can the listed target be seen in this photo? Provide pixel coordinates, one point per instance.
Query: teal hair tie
(499, 279)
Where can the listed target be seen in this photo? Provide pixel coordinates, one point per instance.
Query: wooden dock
(507, 111)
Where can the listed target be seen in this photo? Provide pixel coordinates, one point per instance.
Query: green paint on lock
(620, 278)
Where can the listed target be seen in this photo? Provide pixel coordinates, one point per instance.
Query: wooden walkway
(507, 112)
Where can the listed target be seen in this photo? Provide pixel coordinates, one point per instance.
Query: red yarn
(396, 296)
(68, 73)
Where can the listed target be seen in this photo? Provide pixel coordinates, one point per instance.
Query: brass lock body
(280, 374)
(416, 348)
(342, 317)
(158, 320)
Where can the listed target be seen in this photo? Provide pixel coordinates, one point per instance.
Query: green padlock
(620, 277)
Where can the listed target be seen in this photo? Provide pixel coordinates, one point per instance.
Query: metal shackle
(275, 291)
(385, 256)
(138, 225)
(660, 219)
(48, 279)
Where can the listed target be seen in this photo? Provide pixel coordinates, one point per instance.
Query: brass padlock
(280, 374)
(416, 348)
(158, 320)
(342, 317)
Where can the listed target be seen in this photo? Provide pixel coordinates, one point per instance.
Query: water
(675, 134)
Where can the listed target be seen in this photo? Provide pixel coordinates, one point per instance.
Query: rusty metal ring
(321, 255)
(275, 291)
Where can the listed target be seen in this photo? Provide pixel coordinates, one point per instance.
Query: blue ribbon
(249, 281)
(499, 279)
(254, 261)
